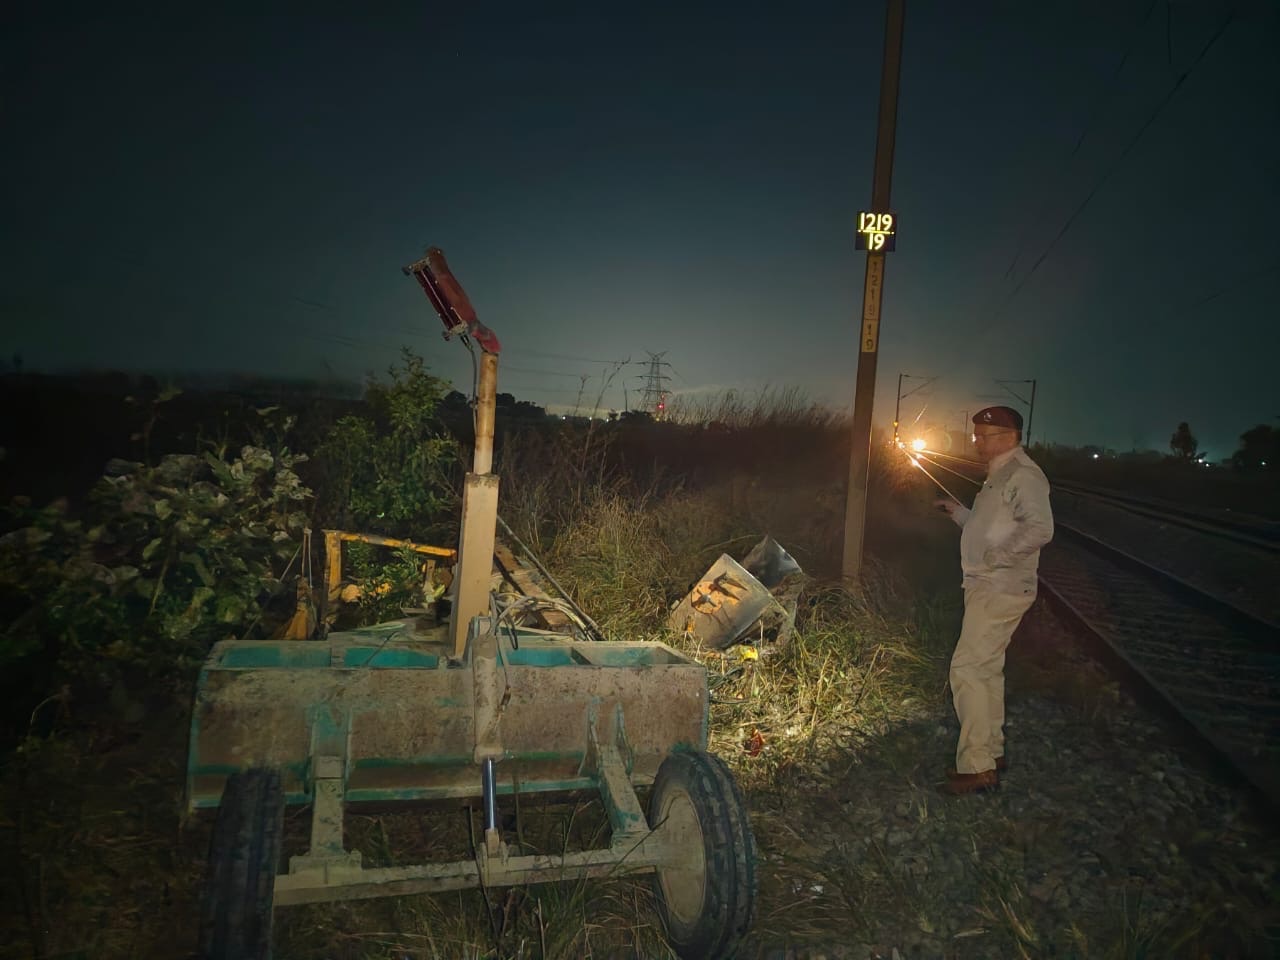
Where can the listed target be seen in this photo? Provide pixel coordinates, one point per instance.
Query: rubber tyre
(243, 859)
(708, 904)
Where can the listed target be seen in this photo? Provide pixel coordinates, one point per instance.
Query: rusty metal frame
(328, 872)
(333, 540)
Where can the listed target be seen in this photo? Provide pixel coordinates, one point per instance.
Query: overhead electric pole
(879, 229)
(1031, 404)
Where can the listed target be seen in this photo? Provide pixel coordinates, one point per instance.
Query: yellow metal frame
(302, 624)
(333, 554)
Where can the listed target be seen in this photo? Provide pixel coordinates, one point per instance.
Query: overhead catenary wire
(508, 368)
(293, 330)
(522, 351)
(263, 296)
(1102, 181)
(1112, 169)
(1239, 283)
(1095, 113)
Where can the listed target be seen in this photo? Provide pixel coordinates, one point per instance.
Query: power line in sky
(1241, 281)
(1111, 170)
(508, 368)
(563, 356)
(353, 335)
(1095, 113)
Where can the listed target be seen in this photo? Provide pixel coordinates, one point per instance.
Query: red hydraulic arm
(479, 491)
(450, 300)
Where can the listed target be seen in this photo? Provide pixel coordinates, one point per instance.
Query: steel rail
(1227, 690)
(1209, 603)
(1256, 533)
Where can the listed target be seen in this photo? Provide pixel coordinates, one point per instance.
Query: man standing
(999, 553)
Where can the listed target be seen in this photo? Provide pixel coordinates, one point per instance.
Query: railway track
(1184, 602)
(1214, 665)
(1252, 531)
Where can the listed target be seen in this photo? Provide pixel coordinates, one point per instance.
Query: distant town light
(1095, 456)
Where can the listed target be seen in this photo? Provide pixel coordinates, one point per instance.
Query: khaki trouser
(977, 672)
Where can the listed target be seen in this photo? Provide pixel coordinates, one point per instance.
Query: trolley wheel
(243, 859)
(707, 900)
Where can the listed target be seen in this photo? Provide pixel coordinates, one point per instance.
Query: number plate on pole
(871, 304)
(877, 232)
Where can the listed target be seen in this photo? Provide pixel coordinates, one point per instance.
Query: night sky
(216, 192)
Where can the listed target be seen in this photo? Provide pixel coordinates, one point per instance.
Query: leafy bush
(389, 471)
(165, 561)
(391, 581)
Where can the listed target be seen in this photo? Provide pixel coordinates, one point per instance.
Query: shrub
(165, 561)
(388, 470)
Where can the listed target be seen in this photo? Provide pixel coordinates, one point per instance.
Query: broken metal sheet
(722, 606)
(770, 563)
(731, 598)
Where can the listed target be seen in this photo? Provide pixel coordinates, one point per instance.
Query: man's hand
(946, 506)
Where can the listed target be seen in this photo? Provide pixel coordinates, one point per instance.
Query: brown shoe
(1001, 766)
(962, 783)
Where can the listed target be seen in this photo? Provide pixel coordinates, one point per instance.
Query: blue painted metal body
(399, 713)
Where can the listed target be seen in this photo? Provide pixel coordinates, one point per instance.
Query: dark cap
(999, 417)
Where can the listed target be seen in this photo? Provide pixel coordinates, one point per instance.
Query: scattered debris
(731, 599)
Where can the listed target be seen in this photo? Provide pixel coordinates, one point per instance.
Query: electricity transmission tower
(654, 401)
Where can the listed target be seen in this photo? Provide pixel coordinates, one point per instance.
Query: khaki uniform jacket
(1009, 523)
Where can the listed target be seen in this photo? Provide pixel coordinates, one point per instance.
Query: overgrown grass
(822, 733)
(801, 714)
(848, 670)
(772, 407)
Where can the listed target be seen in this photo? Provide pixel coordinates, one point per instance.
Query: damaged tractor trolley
(485, 708)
